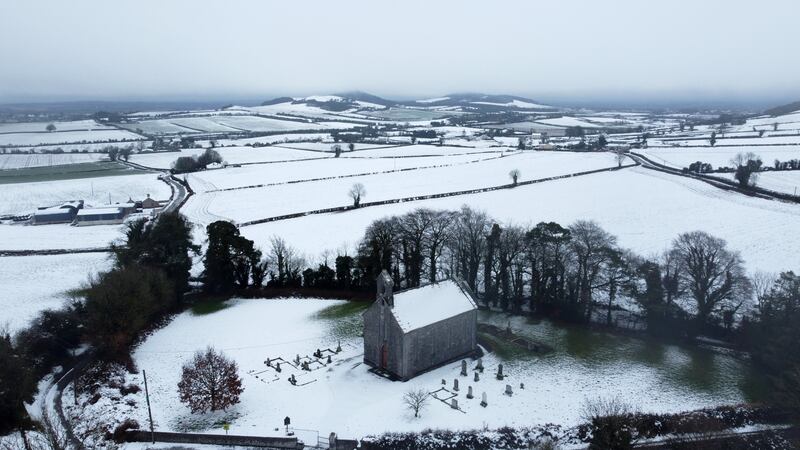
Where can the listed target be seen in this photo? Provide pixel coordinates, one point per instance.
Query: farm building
(63, 213)
(416, 330)
(148, 203)
(102, 216)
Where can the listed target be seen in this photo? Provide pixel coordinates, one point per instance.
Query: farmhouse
(419, 329)
(63, 213)
(102, 216)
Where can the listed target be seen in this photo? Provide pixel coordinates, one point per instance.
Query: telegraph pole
(149, 412)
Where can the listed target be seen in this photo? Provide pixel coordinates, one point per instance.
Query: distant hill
(783, 109)
(366, 97)
(278, 100)
(486, 101)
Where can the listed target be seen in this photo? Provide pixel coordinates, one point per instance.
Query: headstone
(483, 400)
(479, 367)
(454, 404)
(339, 347)
(292, 379)
(500, 372)
(477, 378)
(268, 362)
(444, 383)
(463, 367)
(508, 390)
(469, 392)
(278, 366)
(332, 440)
(297, 359)
(508, 327)
(522, 385)
(329, 359)
(455, 384)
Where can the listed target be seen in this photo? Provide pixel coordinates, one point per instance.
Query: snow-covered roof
(100, 211)
(416, 308)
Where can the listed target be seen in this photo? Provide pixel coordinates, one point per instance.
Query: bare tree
(610, 421)
(356, 193)
(468, 243)
(438, 234)
(712, 274)
(747, 166)
(351, 146)
(337, 150)
(762, 282)
(514, 174)
(620, 155)
(50, 127)
(210, 382)
(590, 244)
(416, 400)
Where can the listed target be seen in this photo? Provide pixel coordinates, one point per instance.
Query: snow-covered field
(719, 156)
(258, 203)
(786, 181)
(348, 165)
(35, 283)
(67, 137)
(236, 122)
(231, 155)
(57, 236)
(344, 397)
(24, 198)
(28, 127)
(18, 161)
(644, 208)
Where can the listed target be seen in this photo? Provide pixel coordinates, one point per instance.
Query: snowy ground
(231, 155)
(644, 208)
(18, 161)
(786, 181)
(31, 127)
(252, 204)
(719, 156)
(66, 137)
(344, 397)
(35, 283)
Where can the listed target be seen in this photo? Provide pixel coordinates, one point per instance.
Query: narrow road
(714, 181)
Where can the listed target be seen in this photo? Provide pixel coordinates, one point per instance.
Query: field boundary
(430, 196)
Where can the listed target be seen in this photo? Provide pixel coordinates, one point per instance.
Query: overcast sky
(165, 49)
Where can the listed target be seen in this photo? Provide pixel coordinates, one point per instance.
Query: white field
(87, 124)
(645, 209)
(344, 397)
(18, 161)
(262, 174)
(258, 203)
(422, 150)
(57, 236)
(327, 146)
(34, 283)
(231, 155)
(276, 139)
(230, 123)
(567, 121)
(66, 137)
(24, 198)
(718, 156)
(786, 181)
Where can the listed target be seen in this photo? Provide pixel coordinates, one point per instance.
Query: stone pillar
(508, 390)
(484, 403)
(455, 384)
(454, 404)
(463, 368)
(477, 378)
(479, 367)
(469, 392)
(500, 375)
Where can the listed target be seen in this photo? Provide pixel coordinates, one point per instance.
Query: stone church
(416, 330)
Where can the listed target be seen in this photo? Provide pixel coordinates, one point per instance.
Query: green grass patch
(210, 306)
(343, 310)
(502, 349)
(65, 172)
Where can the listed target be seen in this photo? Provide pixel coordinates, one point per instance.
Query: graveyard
(297, 360)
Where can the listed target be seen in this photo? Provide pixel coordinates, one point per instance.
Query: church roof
(419, 307)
